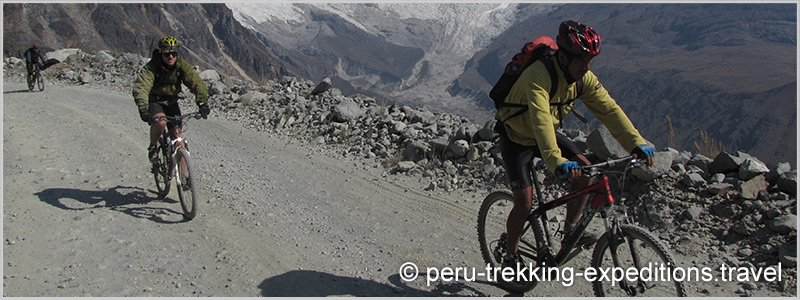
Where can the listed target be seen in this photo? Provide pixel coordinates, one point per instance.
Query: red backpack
(542, 48)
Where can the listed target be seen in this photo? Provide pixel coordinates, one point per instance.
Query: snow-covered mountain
(427, 44)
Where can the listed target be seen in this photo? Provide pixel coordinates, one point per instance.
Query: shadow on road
(17, 91)
(308, 283)
(124, 199)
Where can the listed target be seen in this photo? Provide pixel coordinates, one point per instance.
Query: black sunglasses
(173, 54)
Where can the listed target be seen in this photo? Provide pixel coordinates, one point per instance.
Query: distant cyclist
(33, 57)
(158, 85)
(533, 133)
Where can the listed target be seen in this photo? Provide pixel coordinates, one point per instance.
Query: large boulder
(782, 167)
(700, 161)
(416, 150)
(252, 97)
(459, 147)
(787, 183)
(751, 167)
(322, 87)
(62, 54)
(785, 224)
(103, 57)
(750, 189)
(486, 133)
(602, 143)
(346, 111)
(725, 163)
(209, 75)
(216, 87)
(661, 165)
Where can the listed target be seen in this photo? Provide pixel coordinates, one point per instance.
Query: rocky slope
(658, 59)
(733, 204)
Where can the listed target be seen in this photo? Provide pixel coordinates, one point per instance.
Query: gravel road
(277, 217)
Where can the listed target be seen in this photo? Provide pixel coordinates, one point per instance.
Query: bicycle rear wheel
(40, 82)
(160, 171)
(492, 237)
(638, 248)
(185, 184)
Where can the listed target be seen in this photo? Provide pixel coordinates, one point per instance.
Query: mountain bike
(622, 246)
(35, 78)
(171, 161)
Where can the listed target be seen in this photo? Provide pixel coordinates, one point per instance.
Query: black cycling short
(171, 110)
(518, 159)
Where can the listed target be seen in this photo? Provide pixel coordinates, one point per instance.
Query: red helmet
(36, 45)
(577, 38)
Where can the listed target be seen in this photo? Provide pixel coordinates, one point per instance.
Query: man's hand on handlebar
(569, 169)
(643, 151)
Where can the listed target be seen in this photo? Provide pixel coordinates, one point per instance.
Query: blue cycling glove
(643, 151)
(567, 166)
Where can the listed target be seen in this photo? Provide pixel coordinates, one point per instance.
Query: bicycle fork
(616, 237)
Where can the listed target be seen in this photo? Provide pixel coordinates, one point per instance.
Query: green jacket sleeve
(194, 83)
(600, 103)
(142, 86)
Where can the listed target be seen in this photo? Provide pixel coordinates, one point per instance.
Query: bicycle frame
(174, 145)
(601, 200)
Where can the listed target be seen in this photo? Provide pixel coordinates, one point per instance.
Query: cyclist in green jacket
(533, 133)
(158, 85)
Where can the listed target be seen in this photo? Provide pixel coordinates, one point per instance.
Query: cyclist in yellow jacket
(533, 133)
(158, 85)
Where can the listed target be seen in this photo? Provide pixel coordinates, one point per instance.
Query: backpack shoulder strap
(551, 68)
(554, 87)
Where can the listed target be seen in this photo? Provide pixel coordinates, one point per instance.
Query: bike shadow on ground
(17, 91)
(125, 199)
(309, 283)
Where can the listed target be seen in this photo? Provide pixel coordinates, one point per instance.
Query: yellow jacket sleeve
(537, 126)
(605, 109)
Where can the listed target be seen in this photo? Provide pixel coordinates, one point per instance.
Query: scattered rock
(322, 87)
(661, 165)
(693, 212)
(787, 183)
(724, 163)
(751, 167)
(719, 188)
(751, 188)
(785, 224)
(693, 180)
(787, 254)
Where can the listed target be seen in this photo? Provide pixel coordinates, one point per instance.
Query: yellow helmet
(168, 43)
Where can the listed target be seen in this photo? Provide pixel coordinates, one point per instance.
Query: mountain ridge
(209, 34)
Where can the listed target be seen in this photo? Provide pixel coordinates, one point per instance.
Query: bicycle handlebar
(596, 169)
(175, 119)
(611, 163)
(593, 170)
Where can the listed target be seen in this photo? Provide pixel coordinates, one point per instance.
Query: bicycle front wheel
(186, 185)
(635, 248)
(40, 82)
(492, 218)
